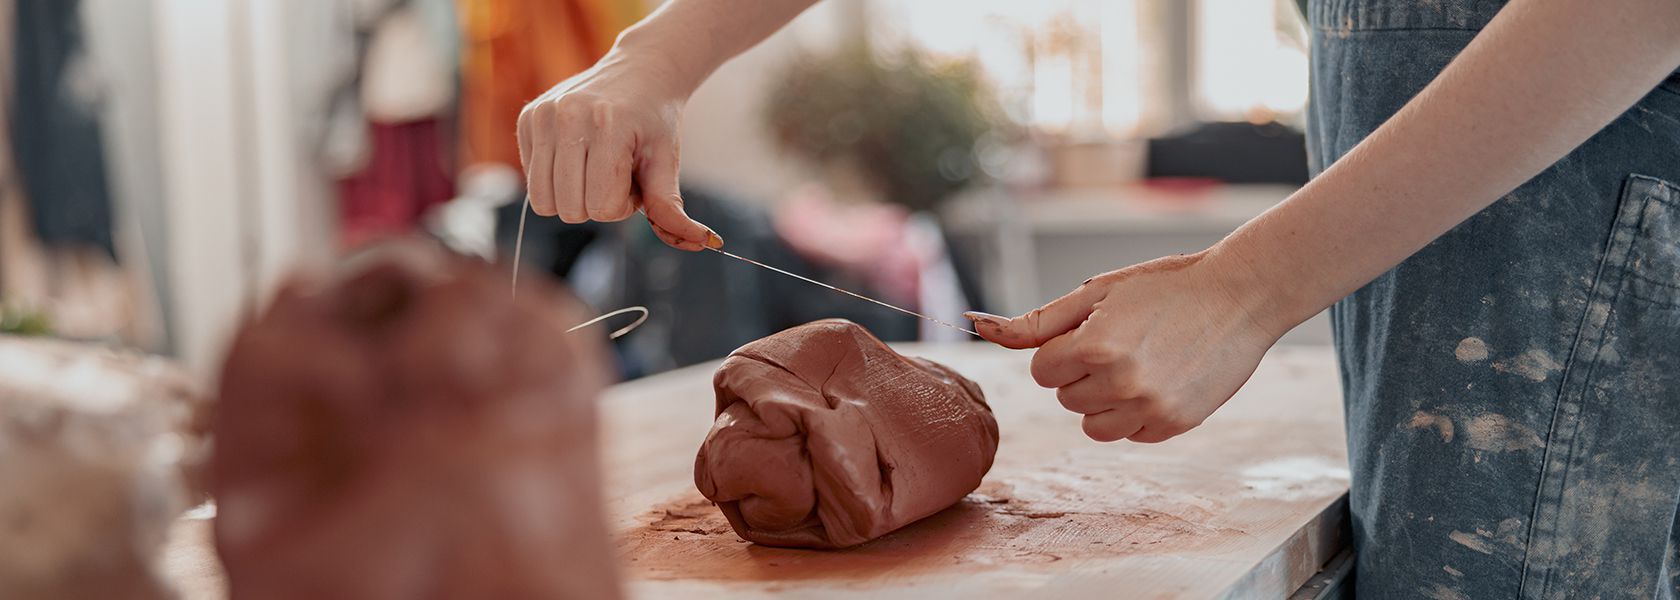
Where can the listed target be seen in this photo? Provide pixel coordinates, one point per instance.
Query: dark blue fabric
(706, 305)
(55, 135)
(1513, 389)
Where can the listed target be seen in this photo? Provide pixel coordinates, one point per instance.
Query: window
(1118, 68)
(1251, 60)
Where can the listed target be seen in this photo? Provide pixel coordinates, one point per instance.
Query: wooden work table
(1250, 504)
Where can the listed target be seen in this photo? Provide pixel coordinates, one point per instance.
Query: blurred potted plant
(903, 124)
(15, 320)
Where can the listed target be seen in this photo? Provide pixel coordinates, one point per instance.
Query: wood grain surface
(1249, 505)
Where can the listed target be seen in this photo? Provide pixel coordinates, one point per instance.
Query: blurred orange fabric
(514, 50)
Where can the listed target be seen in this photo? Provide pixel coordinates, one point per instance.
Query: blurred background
(170, 161)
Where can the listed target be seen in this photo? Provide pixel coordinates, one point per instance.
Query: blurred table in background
(1034, 246)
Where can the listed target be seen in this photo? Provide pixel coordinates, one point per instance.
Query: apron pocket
(1606, 508)
(1650, 215)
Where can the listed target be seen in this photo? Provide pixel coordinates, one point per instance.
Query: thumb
(663, 204)
(1041, 324)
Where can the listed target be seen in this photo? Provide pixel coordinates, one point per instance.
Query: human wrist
(644, 48)
(1263, 287)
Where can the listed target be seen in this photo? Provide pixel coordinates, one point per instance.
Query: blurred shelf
(1038, 244)
(1147, 210)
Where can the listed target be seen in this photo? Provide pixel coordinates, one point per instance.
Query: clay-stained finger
(663, 203)
(674, 241)
(1042, 324)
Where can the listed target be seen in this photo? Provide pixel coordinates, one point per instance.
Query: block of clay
(98, 452)
(404, 429)
(827, 438)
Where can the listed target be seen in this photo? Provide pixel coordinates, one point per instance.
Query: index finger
(1041, 324)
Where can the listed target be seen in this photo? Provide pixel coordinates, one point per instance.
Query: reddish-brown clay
(827, 438)
(406, 430)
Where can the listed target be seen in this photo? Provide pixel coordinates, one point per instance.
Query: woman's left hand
(1146, 352)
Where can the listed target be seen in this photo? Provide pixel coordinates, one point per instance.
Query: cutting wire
(518, 250)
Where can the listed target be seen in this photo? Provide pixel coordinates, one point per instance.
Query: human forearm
(1149, 351)
(1543, 77)
(690, 39)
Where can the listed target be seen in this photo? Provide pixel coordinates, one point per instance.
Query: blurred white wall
(120, 37)
(238, 212)
(204, 196)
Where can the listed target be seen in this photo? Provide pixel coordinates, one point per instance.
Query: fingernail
(987, 318)
(713, 241)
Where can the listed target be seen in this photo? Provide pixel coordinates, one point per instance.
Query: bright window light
(1091, 69)
(1251, 62)
(1064, 66)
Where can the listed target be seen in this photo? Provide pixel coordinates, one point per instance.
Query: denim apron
(1513, 389)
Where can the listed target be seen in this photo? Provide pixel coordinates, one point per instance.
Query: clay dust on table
(1026, 519)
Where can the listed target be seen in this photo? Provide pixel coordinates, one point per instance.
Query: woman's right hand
(603, 144)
